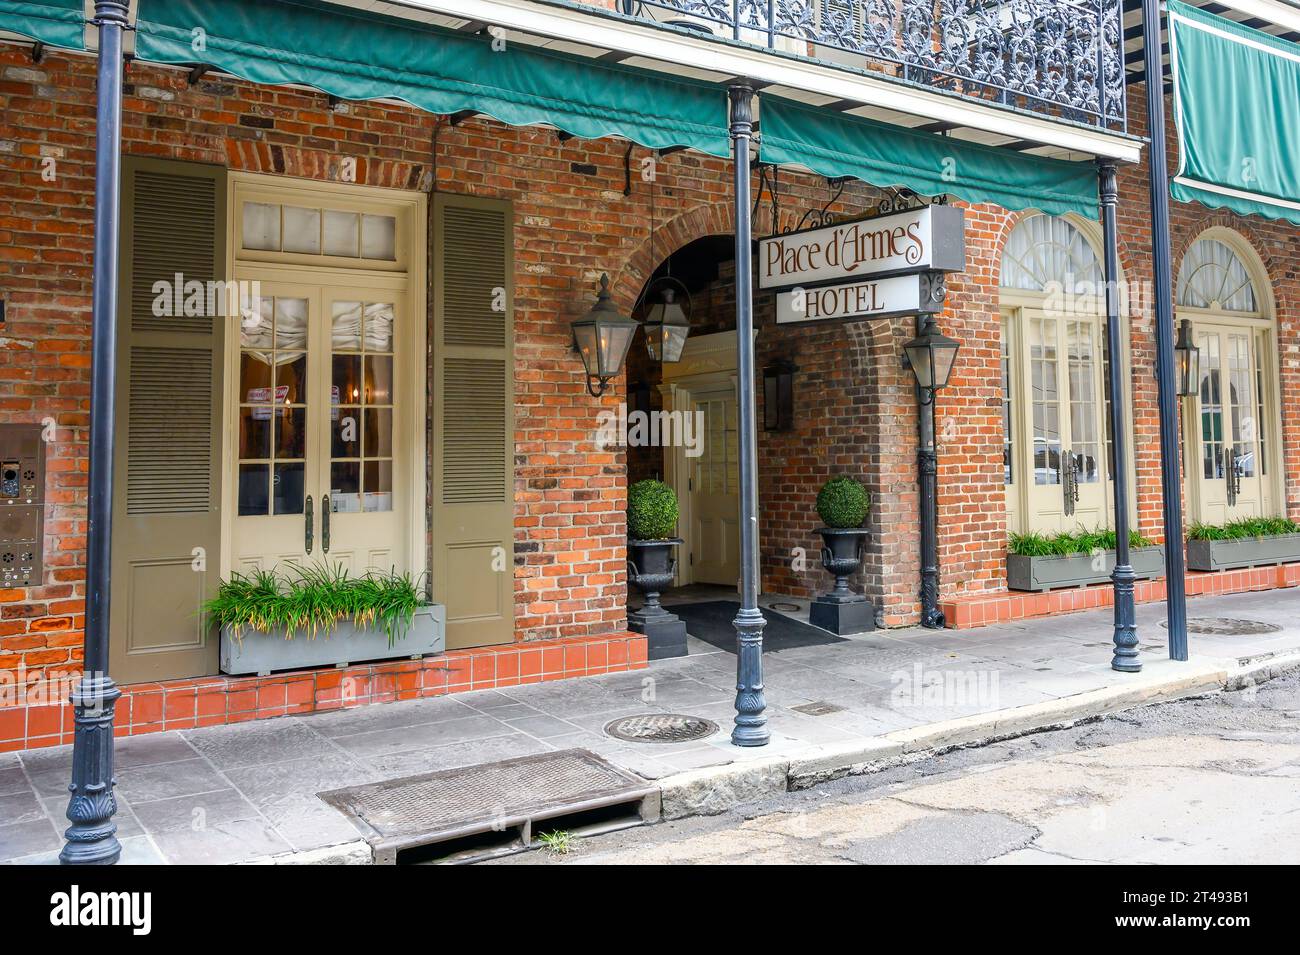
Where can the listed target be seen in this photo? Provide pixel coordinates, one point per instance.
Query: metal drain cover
(399, 814)
(784, 606)
(661, 728)
(1227, 626)
(818, 708)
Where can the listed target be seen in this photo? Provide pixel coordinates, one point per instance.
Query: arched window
(1233, 423)
(1213, 276)
(1057, 445)
(1043, 250)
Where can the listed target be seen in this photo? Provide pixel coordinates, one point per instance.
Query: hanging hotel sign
(930, 238)
(874, 298)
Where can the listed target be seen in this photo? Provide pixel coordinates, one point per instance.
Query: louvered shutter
(473, 420)
(167, 471)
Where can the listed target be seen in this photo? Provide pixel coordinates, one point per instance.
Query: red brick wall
(855, 408)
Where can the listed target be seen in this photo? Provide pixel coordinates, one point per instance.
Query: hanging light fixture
(666, 323)
(603, 337)
(1189, 360)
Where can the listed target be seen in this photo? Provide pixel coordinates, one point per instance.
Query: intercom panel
(22, 465)
(21, 537)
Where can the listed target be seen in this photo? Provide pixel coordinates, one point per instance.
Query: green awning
(360, 56)
(834, 144)
(1237, 107)
(59, 23)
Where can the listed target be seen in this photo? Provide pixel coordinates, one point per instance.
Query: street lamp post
(931, 357)
(751, 722)
(1125, 637)
(92, 837)
(1167, 387)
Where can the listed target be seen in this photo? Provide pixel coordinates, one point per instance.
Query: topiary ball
(843, 502)
(651, 511)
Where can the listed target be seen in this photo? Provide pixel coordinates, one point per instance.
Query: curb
(714, 790)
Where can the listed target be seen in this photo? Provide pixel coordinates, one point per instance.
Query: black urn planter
(651, 567)
(843, 611)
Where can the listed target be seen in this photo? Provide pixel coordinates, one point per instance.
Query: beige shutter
(167, 471)
(473, 419)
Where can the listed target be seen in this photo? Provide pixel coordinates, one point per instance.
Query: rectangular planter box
(257, 652)
(1076, 570)
(1247, 552)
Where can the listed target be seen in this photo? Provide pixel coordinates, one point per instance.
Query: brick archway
(709, 219)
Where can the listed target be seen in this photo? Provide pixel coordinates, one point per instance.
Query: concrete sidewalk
(248, 791)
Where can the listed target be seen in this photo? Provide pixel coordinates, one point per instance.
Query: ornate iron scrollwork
(1062, 58)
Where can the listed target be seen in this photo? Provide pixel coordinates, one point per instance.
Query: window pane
(379, 379)
(346, 382)
(345, 434)
(1211, 408)
(261, 227)
(1008, 445)
(254, 432)
(254, 480)
(379, 326)
(378, 489)
(1044, 400)
(379, 432)
(290, 432)
(302, 230)
(345, 325)
(290, 378)
(287, 482)
(345, 487)
(379, 237)
(341, 231)
(255, 325)
(290, 323)
(254, 375)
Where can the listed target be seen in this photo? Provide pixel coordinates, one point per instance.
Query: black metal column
(1166, 368)
(1126, 656)
(751, 723)
(92, 839)
(927, 460)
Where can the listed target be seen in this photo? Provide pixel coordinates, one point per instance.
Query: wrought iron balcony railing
(1060, 58)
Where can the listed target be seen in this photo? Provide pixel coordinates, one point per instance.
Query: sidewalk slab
(248, 793)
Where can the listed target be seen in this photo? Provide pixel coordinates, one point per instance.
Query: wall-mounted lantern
(1189, 360)
(778, 396)
(603, 337)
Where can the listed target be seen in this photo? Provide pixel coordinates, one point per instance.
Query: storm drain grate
(1228, 626)
(661, 728)
(505, 797)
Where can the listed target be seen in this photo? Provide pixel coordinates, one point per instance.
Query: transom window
(1213, 276)
(272, 227)
(1045, 252)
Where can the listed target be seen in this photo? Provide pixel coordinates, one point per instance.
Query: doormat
(711, 622)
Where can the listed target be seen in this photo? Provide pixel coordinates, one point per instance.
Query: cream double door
(319, 404)
(1227, 446)
(715, 490)
(1068, 479)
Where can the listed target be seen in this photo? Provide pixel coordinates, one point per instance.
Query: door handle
(310, 522)
(325, 523)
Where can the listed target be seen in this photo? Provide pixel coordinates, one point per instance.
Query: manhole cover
(1227, 626)
(784, 606)
(819, 708)
(661, 728)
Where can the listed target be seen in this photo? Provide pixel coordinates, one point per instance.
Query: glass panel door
(1230, 458)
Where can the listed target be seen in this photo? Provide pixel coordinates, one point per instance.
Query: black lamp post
(92, 837)
(603, 337)
(666, 327)
(931, 356)
(1188, 359)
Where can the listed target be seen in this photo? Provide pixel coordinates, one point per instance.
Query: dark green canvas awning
(834, 144)
(359, 56)
(1237, 107)
(59, 23)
